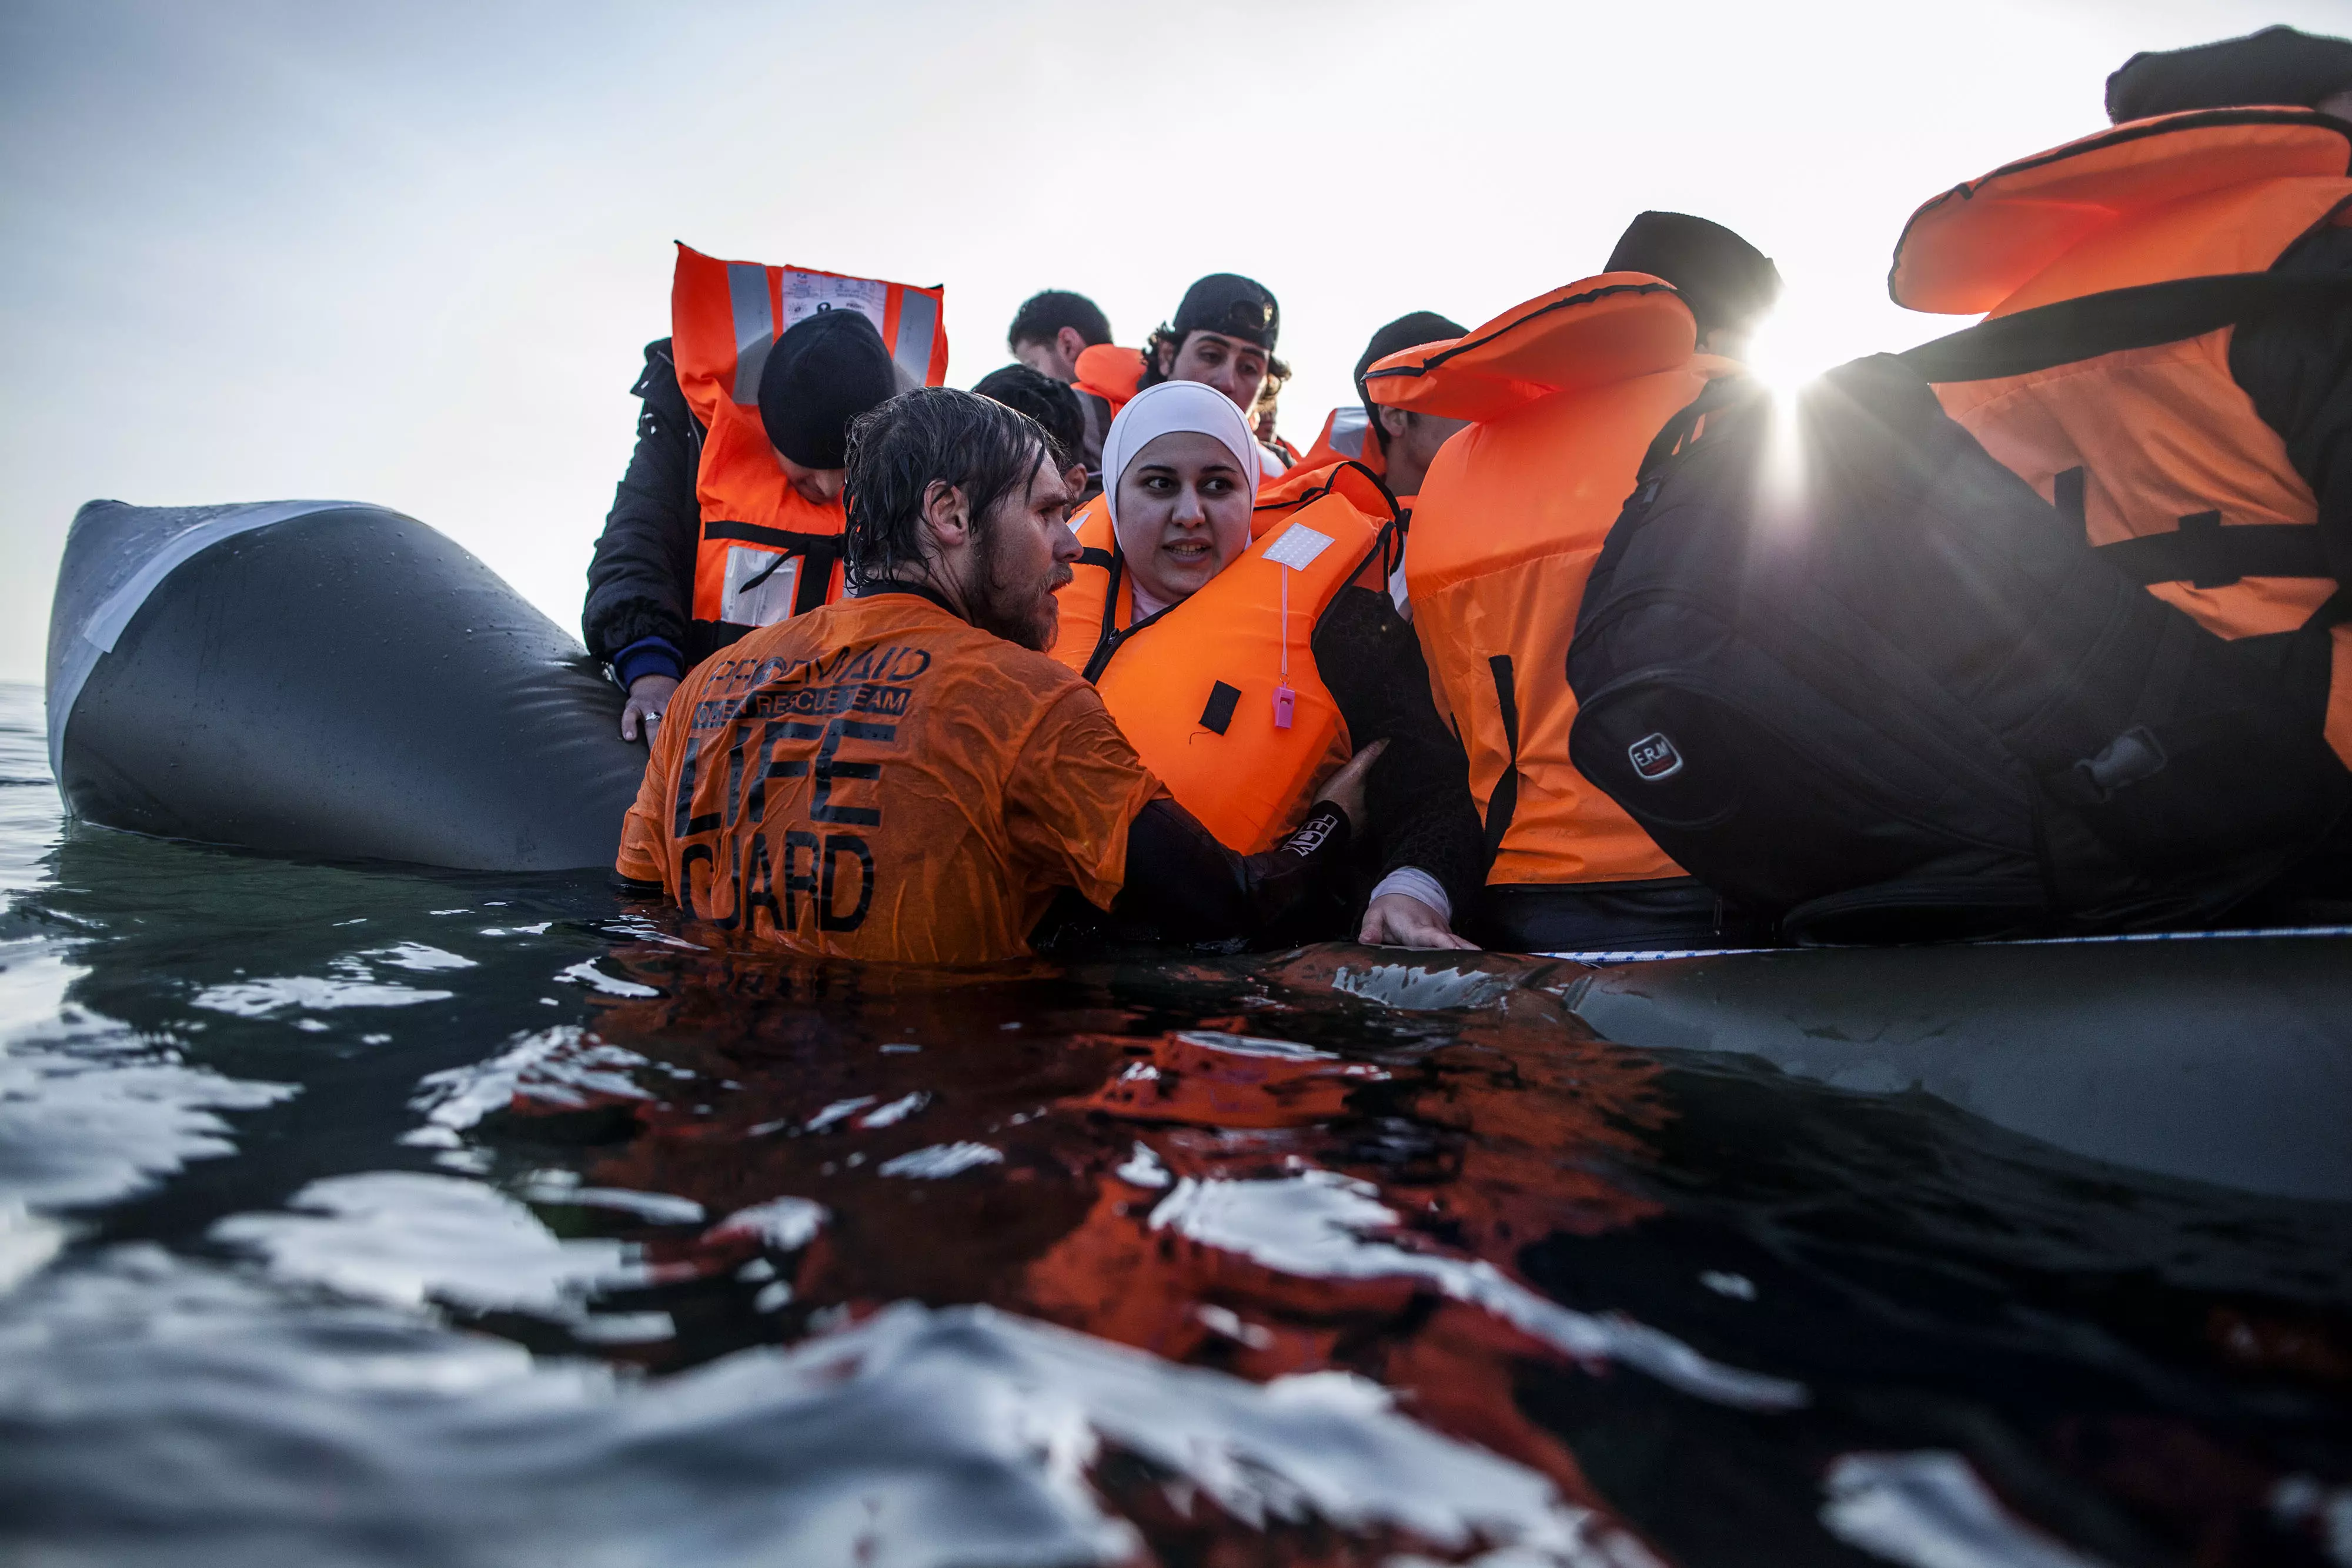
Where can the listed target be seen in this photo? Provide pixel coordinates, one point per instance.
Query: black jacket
(2296, 366)
(641, 579)
(1417, 800)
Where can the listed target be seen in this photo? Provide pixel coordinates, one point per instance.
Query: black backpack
(1854, 673)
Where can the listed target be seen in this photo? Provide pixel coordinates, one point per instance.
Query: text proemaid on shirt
(880, 779)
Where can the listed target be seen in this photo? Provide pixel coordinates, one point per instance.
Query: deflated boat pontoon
(325, 678)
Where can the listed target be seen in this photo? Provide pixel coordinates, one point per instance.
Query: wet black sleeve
(640, 580)
(1183, 884)
(2296, 366)
(1418, 804)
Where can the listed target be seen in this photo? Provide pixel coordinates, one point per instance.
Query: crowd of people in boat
(1525, 650)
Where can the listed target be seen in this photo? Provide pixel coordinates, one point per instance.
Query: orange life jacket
(2077, 383)
(1110, 372)
(767, 552)
(1346, 437)
(1194, 688)
(1567, 392)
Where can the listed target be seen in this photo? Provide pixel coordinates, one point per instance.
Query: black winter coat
(641, 579)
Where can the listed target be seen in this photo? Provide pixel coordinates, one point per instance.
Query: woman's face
(1183, 514)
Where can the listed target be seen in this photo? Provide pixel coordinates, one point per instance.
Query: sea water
(364, 1215)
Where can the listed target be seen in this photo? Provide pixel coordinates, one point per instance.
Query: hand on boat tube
(648, 695)
(1401, 920)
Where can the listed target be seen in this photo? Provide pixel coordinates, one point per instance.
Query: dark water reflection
(373, 1217)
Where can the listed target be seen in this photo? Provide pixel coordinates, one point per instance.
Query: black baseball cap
(1233, 305)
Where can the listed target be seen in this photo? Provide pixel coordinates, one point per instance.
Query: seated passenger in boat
(1244, 671)
(905, 774)
(1222, 337)
(1561, 396)
(1395, 444)
(1051, 332)
(1055, 405)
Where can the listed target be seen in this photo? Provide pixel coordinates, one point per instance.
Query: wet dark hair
(1043, 315)
(1050, 402)
(932, 435)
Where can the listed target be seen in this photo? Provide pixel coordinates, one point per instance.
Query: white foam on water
(1324, 1225)
(1929, 1509)
(259, 998)
(417, 956)
(786, 1224)
(408, 1238)
(941, 1160)
(564, 1067)
(586, 973)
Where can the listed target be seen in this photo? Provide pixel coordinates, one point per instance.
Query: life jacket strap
(2084, 329)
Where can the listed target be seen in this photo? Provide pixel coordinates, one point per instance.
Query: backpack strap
(2107, 323)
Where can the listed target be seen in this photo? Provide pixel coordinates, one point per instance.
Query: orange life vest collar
(1195, 687)
(1979, 246)
(1588, 333)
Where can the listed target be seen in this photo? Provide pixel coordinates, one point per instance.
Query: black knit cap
(1404, 332)
(1235, 306)
(2277, 65)
(1725, 281)
(822, 372)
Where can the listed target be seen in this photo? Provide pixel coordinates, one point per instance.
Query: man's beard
(1016, 613)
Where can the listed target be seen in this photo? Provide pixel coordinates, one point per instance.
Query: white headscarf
(1171, 406)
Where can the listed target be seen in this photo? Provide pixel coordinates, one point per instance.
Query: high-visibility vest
(2102, 376)
(1196, 687)
(1566, 393)
(766, 552)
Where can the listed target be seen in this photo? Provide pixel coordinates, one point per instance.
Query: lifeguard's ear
(947, 516)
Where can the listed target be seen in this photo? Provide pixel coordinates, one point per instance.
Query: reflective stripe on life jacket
(1194, 687)
(2115, 269)
(765, 551)
(1568, 390)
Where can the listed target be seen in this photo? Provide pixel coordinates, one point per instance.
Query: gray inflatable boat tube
(325, 678)
(2223, 1058)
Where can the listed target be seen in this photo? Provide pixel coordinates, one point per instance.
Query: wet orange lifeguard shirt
(880, 779)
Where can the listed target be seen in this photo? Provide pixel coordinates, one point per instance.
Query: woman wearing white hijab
(1181, 477)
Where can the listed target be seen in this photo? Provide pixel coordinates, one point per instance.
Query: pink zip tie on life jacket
(1284, 699)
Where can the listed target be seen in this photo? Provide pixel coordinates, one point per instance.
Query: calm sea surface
(360, 1215)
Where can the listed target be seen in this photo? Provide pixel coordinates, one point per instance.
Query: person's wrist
(648, 656)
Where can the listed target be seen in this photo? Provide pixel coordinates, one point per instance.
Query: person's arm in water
(1186, 885)
(641, 579)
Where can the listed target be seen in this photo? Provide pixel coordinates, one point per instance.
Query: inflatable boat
(329, 679)
(336, 680)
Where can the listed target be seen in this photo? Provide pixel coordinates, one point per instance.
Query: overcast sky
(410, 254)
